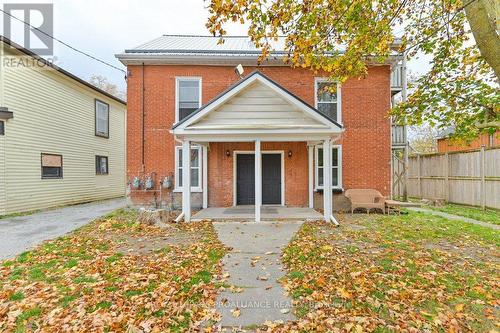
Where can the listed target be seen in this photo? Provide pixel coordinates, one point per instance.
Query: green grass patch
(476, 213)
(17, 296)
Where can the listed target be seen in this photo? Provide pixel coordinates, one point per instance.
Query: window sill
(102, 136)
(193, 190)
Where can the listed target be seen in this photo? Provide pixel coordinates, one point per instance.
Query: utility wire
(65, 44)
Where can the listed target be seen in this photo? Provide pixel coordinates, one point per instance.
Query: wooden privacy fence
(468, 177)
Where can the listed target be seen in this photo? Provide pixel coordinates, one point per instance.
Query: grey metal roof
(185, 44)
(204, 50)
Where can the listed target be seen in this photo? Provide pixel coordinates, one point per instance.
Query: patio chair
(365, 198)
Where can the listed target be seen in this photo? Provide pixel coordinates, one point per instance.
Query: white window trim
(316, 168)
(185, 78)
(179, 174)
(339, 96)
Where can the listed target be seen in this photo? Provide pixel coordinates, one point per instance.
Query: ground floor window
(101, 165)
(52, 166)
(336, 167)
(195, 168)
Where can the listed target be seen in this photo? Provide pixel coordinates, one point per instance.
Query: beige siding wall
(55, 114)
(2, 175)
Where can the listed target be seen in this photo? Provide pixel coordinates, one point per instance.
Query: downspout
(143, 121)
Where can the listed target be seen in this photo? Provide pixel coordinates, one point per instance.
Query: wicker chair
(365, 198)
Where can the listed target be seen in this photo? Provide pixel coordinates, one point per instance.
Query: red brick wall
(366, 141)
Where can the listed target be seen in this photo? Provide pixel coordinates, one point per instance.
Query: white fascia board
(247, 137)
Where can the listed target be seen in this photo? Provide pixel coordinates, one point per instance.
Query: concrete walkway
(18, 234)
(254, 266)
(454, 217)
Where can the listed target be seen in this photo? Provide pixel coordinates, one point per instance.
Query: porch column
(310, 150)
(258, 180)
(186, 180)
(205, 176)
(327, 179)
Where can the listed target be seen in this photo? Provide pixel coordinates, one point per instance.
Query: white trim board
(281, 152)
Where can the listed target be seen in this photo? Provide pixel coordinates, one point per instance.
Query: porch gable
(257, 103)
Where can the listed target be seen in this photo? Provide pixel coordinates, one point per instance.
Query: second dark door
(271, 179)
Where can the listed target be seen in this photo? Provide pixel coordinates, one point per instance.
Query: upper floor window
(328, 98)
(188, 96)
(101, 119)
(2, 128)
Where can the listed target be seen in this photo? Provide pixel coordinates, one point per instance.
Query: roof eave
(59, 69)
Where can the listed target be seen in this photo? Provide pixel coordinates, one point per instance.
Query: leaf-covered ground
(414, 273)
(114, 275)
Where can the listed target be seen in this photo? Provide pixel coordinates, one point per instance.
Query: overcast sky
(104, 28)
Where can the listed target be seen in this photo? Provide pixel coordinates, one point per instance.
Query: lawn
(114, 275)
(476, 213)
(414, 273)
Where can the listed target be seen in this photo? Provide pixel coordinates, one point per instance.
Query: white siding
(2, 175)
(257, 106)
(55, 114)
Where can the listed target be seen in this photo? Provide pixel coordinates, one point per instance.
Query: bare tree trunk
(483, 17)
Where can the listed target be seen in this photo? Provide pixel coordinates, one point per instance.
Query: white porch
(258, 110)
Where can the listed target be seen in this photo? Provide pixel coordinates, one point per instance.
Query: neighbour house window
(2, 128)
(101, 119)
(328, 98)
(188, 96)
(52, 165)
(195, 168)
(101, 165)
(336, 167)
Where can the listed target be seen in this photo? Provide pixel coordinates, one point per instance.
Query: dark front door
(271, 179)
(245, 179)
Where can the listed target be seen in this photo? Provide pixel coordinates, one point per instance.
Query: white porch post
(310, 150)
(186, 180)
(205, 176)
(327, 179)
(258, 180)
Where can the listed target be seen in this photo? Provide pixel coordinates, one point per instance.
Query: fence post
(483, 179)
(447, 177)
(419, 176)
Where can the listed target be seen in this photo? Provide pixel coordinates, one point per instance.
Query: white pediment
(257, 106)
(257, 103)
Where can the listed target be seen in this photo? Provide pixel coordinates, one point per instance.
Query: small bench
(393, 206)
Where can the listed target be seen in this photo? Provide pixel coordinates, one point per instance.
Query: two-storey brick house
(265, 138)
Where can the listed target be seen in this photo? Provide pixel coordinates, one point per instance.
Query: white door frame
(281, 152)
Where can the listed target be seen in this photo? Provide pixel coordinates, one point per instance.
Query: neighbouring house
(265, 138)
(445, 144)
(62, 140)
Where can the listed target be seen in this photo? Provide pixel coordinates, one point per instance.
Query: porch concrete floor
(267, 213)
